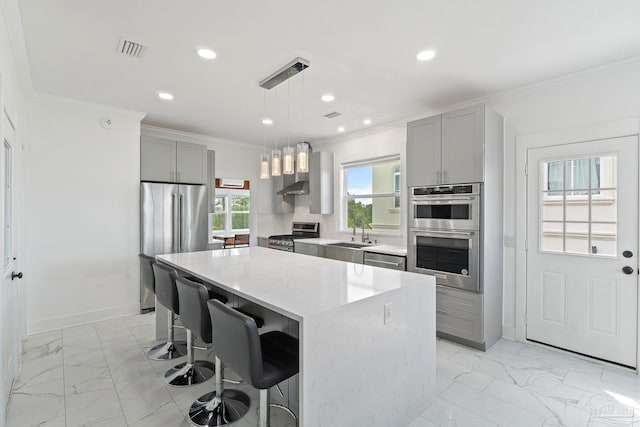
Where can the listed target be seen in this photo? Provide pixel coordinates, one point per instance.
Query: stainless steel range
(299, 230)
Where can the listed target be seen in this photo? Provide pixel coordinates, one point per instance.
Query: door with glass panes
(582, 234)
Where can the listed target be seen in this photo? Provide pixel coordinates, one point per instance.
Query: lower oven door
(451, 256)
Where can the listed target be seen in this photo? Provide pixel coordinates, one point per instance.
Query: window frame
(345, 197)
(228, 194)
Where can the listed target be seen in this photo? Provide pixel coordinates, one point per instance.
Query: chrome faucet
(364, 239)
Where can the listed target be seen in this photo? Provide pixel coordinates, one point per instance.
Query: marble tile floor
(98, 375)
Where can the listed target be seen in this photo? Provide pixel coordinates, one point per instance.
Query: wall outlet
(387, 313)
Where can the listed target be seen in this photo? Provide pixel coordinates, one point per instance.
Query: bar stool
(192, 371)
(146, 272)
(209, 410)
(261, 360)
(167, 295)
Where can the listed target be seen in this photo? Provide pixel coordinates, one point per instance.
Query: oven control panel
(446, 189)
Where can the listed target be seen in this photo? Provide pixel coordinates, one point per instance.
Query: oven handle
(454, 234)
(443, 198)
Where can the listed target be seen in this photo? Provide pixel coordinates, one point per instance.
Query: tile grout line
(115, 389)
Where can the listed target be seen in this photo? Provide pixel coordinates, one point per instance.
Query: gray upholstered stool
(209, 410)
(261, 360)
(167, 295)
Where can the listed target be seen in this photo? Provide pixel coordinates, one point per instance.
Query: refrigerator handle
(175, 223)
(180, 222)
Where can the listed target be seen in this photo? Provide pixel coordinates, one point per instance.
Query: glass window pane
(554, 175)
(239, 221)
(552, 207)
(359, 212)
(577, 174)
(551, 237)
(218, 221)
(604, 206)
(577, 237)
(360, 180)
(604, 239)
(595, 172)
(577, 208)
(220, 204)
(240, 203)
(608, 172)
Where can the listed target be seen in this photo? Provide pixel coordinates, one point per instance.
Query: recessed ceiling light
(267, 121)
(341, 129)
(426, 55)
(328, 97)
(367, 122)
(165, 95)
(206, 53)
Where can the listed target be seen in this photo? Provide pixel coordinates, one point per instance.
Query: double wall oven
(444, 232)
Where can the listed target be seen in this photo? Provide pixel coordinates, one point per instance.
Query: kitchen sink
(351, 245)
(345, 251)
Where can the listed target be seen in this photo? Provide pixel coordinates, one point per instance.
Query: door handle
(180, 223)
(627, 270)
(15, 275)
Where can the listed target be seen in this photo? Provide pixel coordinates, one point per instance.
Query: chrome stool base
(188, 374)
(168, 351)
(210, 410)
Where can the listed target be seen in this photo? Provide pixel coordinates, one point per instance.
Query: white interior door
(582, 234)
(9, 306)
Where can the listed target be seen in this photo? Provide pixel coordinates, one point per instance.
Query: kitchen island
(367, 335)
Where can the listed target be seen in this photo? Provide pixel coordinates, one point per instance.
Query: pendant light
(302, 148)
(288, 153)
(276, 155)
(264, 157)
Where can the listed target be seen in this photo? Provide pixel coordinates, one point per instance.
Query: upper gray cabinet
(447, 148)
(172, 161)
(423, 151)
(321, 183)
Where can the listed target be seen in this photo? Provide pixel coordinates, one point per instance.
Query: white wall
(81, 207)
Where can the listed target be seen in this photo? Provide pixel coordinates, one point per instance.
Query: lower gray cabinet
(306, 249)
(459, 313)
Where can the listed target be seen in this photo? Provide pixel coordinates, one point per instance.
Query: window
(232, 210)
(372, 194)
(579, 206)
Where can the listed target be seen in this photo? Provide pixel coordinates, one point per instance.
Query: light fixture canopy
(302, 149)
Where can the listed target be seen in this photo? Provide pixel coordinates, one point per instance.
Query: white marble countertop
(292, 284)
(380, 249)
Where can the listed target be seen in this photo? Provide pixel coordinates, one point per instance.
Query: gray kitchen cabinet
(157, 159)
(307, 248)
(463, 145)
(321, 183)
(459, 314)
(423, 151)
(282, 204)
(448, 148)
(164, 160)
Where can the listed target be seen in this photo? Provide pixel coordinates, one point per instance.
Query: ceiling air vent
(332, 115)
(291, 69)
(132, 49)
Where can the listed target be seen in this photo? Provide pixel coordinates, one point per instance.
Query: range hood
(299, 187)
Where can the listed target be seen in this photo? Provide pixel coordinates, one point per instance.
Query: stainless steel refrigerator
(173, 219)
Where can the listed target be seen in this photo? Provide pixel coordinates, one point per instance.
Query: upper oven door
(446, 212)
(451, 256)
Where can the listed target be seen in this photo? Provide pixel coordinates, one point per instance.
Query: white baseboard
(509, 332)
(55, 323)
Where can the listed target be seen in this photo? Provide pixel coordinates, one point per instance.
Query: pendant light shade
(276, 163)
(264, 166)
(288, 154)
(303, 157)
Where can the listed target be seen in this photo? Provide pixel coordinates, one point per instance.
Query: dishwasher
(393, 262)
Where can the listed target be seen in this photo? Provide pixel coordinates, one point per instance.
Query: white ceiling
(362, 51)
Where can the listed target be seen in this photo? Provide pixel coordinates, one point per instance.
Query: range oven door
(446, 212)
(451, 256)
